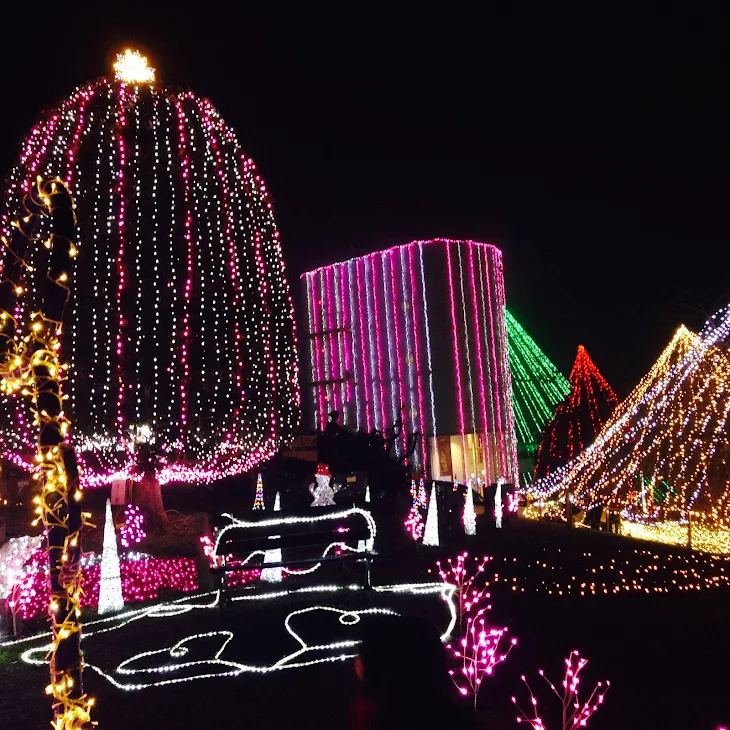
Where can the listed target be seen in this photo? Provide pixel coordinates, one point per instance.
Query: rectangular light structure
(417, 332)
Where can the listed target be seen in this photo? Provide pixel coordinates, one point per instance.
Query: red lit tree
(578, 419)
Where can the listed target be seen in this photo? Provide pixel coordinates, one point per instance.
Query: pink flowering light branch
(575, 713)
(479, 651)
(132, 531)
(414, 523)
(457, 573)
(15, 605)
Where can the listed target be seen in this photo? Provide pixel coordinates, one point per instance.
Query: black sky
(593, 149)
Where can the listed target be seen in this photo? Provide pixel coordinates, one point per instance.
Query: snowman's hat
(323, 470)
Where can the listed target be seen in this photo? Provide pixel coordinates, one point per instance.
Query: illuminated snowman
(321, 489)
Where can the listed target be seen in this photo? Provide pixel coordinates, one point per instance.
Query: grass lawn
(664, 652)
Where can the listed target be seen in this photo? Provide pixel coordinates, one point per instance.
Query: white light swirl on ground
(169, 660)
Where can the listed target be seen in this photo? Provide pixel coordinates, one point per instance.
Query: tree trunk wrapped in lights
(32, 367)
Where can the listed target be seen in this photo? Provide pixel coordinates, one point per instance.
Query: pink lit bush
(142, 580)
(481, 648)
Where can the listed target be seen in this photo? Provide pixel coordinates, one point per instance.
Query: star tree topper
(131, 68)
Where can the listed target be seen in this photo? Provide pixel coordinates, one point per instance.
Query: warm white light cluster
(131, 68)
(700, 536)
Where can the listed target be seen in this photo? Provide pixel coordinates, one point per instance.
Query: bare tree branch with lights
(481, 647)
(575, 714)
(457, 572)
(479, 651)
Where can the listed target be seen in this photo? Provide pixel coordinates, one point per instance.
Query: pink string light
(158, 172)
(457, 572)
(121, 270)
(457, 358)
(481, 647)
(415, 523)
(400, 354)
(373, 292)
(232, 258)
(333, 361)
(365, 347)
(493, 355)
(510, 456)
(187, 291)
(346, 329)
(317, 353)
(417, 367)
(479, 348)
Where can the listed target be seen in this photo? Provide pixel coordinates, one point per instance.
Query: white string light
(469, 517)
(293, 520)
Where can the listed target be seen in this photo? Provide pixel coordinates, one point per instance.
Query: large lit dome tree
(665, 451)
(180, 329)
(579, 418)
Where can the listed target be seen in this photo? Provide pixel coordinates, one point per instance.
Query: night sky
(593, 150)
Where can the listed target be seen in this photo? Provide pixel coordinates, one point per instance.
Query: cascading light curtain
(180, 330)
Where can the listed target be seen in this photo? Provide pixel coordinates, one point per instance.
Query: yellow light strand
(29, 366)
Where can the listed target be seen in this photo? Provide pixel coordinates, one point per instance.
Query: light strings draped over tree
(181, 326)
(665, 450)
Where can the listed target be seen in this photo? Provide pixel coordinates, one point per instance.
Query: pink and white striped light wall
(418, 331)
